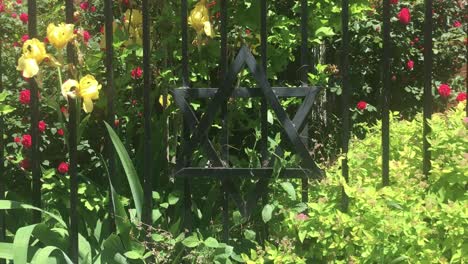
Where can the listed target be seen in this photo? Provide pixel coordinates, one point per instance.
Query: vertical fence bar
(263, 103)
(185, 132)
(304, 79)
(346, 98)
(148, 160)
(72, 141)
(427, 111)
(2, 157)
(386, 94)
(34, 107)
(109, 17)
(225, 116)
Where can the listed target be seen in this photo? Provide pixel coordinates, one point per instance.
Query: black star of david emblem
(219, 168)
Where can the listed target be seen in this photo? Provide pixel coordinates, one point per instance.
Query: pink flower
(14, 15)
(444, 90)
(25, 37)
(26, 141)
(457, 24)
(461, 97)
(60, 132)
(25, 97)
(2, 8)
(24, 18)
(404, 16)
(92, 9)
(410, 65)
(62, 168)
(361, 105)
(302, 217)
(137, 73)
(17, 140)
(42, 126)
(19, 2)
(84, 5)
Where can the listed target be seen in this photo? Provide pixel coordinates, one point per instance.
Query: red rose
(126, 2)
(404, 16)
(64, 110)
(92, 9)
(63, 168)
(25, 164)
(86, 36)
(393, 2)
(457, 24)
(24, 17)
(84, 5)
(116, 122)
(444, 90)
(25, 37)
(42, 126)
(2, 8)
(461, 97)
(361, 105)
(19, 2)
(17, 139)
(137, 73)
(26, 141)
(25, 97)
(410, 65)
(14, 15)
(60, 132)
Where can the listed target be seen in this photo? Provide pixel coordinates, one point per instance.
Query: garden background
(413, 220)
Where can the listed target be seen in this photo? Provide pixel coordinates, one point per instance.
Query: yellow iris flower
(34, 53)
(134, 16)
(60, 35)
(88, 89)
(199, 19)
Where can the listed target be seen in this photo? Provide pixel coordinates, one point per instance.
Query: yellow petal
(28, 66)
(208, 29)
(60, 35)
(89, 87)
(34, 49)
(88, 105)
(168, 102)
(67, 88)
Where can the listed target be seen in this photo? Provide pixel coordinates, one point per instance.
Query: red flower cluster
(461, 97)
(137, 73)
(24, 37)
(361, 105)
(457, 24)
(25, 97)
(404, 16)
(62, 168)
(444, 90)
(84, 5)
(60, 132)
(410, 65)
(24, 18)
(26, 141)
(42, 126)
(86, 36)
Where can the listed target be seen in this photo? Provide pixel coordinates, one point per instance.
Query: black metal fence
(195, 135)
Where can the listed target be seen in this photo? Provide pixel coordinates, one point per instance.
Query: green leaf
(267, 212)
(21, 244)
(132, 177)
(6, 250)
(8, 205)
(133, 255)
(289, 188)
(6, 109)
(211, 242)
(172, 199)
(191, 241)
(44, 256)
(249, 234)
(113, 250)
